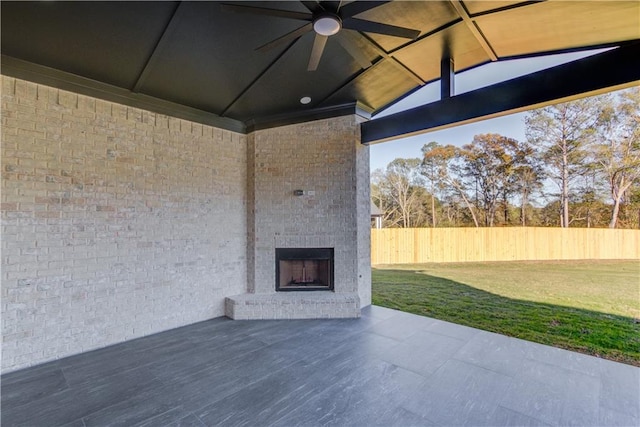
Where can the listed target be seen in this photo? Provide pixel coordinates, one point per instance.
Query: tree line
(579, 166)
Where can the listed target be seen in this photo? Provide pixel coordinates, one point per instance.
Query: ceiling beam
(614, 69)
(447, 78)
(157, 51)
(462, 12)
(383, 53)
(260, 75)
(356, 36)
(505, 8)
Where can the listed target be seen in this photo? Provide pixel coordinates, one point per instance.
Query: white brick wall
(116, 222)
(119, 222)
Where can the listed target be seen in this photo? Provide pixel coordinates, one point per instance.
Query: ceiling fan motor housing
(327, 24)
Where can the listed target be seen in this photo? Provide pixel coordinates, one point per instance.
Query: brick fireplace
(308, 188)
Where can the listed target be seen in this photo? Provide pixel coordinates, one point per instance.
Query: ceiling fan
(327, 19)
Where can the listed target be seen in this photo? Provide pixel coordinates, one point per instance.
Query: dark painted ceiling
(203, 54)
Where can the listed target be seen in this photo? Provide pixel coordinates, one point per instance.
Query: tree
(561, 133)
(400, 193)
(587, 200)
(631, 217)
(528, 177)
(445, 167)
(433, 168)
(490, 163)
(617, 147)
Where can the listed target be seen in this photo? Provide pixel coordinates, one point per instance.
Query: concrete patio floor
(387, 368)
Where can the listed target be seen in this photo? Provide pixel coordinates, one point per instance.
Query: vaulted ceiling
(202, 55)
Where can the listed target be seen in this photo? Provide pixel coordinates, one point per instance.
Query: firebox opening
(304, 269)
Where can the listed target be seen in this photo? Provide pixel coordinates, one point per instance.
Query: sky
(511, 126)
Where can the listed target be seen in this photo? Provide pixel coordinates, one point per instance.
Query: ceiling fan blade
(356, 7)
(378, 28)
(303, 16)
(316, 53)
(332, 6)
(286, 38)
(345, 38)
(313, 6)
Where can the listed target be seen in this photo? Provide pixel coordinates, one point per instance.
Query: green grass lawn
(588, 306)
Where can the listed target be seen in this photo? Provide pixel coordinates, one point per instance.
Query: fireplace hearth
(304, 269)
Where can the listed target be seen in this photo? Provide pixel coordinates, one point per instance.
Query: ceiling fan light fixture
(327, 25)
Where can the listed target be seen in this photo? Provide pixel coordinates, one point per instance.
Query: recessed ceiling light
(305, 100)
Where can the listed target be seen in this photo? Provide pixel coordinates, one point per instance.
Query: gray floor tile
(397, 416)
(142, 409)
(377, 312)
(378, 401)
(174, 415)
(364, 396)
(109, 364)
(339, 330)
(27, 374)
(581, 402)
(387, 368)
(580, 393)
(423, 352)
(75, 403)
(609, 417)
(26, 387)
(189, 421)
(103, 354)
(460, 394)
(281, 331)
(507, 417)
(620, 390)
(203, 357)
(492, 351)
(535, 400)
(402, 326)
(366, 345)
(546, 390)
(452, 330)
(278, 394)
(556, 356)
(210, 385)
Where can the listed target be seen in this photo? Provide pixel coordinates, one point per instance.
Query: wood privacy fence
(419, 245)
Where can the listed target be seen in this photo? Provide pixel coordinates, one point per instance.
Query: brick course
(116, 222)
